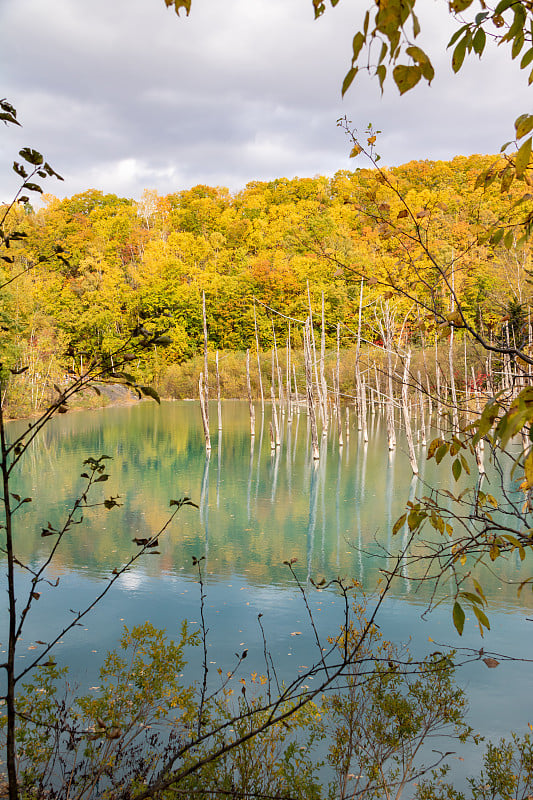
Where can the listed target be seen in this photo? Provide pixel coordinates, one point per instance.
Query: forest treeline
(260, 255)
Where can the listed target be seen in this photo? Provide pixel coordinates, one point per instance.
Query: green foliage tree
(148, 730)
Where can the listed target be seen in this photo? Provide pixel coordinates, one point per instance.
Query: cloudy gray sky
(122, 95)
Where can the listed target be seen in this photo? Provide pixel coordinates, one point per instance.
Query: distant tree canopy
(128, 261)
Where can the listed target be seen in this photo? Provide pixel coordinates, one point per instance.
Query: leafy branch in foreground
(473, 528)
(148, 731)
(95, 473)
(507, 772)
(414, 265)
(454, 532)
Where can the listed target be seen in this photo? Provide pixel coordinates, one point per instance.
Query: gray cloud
(124, 95)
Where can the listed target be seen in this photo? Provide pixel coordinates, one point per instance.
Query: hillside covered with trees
(266, 249)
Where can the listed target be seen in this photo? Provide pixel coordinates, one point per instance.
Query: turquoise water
(256, 510)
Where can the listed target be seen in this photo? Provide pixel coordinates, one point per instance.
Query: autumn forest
(261, 256)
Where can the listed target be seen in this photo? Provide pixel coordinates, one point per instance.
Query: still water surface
(257, 509)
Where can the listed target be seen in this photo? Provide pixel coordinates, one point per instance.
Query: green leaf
(464, 464)
(508, 240)
(9, 112)
(399, 524)
(517, 28)
(406, 77)
(415, 519)
(381, 73)
(33, 187)
(422, 59)
(31, 156)
(434, 445)
(358, 42)
(19, 169)
(459, 32)
(459, 54)
(523, 125)
(482, 619)
(527, 58)
(479, 41)
(472, 598)
(487, 419)
(479, 590)
(502, 6)
(497, 236)
(416, 23)
(458, 618)
(517, 45)
(348, 79)
(456, 469)
(417, 54)
(127, 376)
(49, 171)
(149, 392)
(111, 503)
(441, 452)
(522, 158)
(528, 468)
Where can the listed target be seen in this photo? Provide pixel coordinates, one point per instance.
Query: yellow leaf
(528, 468)
(522, 158)
(523, 125)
